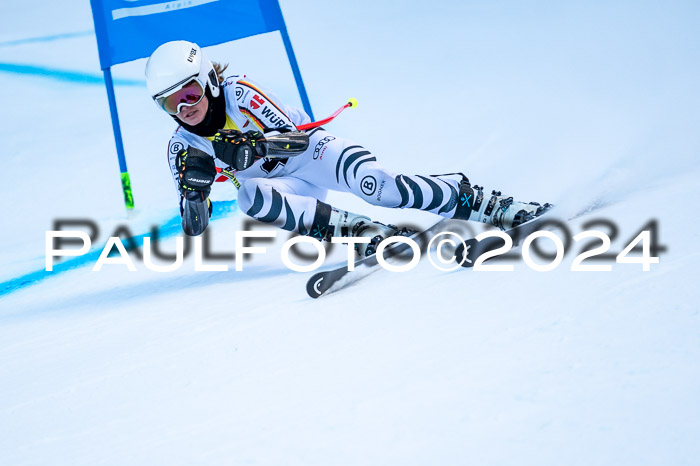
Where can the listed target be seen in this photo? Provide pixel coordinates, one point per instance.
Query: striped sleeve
(175, 145)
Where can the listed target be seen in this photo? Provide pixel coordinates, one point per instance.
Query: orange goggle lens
(190, 94)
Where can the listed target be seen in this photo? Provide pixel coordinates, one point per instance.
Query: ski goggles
(188, 94)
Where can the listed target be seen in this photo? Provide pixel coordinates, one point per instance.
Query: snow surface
(566, 102)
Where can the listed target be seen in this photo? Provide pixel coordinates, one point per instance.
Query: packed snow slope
(570, 103)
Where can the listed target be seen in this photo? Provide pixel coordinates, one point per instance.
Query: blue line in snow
(78, 77)
(169, 229)
(51, 38)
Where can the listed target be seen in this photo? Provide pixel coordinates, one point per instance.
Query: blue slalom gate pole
(297, 74)
(126, 182)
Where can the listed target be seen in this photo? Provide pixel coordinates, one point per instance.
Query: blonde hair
(219, 68)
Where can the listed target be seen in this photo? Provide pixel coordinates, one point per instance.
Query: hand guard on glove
(197, 170)
(239, 150)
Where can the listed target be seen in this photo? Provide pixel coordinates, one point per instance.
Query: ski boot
(500, 211)
(347, 224)
(330, 222)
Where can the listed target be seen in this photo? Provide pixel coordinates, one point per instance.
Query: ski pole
(352, 102)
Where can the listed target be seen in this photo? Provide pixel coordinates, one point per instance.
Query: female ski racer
(234, 125)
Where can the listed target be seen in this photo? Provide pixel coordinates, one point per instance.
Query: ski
(332, 280)
(329, 281)
(475, 248)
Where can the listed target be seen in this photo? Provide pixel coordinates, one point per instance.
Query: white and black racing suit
(289, 193)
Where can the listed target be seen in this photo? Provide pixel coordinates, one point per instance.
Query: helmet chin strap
(214, 120)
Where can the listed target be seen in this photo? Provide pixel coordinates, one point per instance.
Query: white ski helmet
(174, 64)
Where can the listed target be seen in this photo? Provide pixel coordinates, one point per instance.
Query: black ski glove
(197, 170)
(239, 150)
